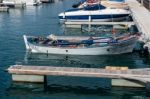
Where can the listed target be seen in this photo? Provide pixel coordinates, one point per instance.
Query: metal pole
(90, 18)
(89, 25)
(45, 83)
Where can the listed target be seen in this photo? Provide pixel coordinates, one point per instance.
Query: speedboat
(95, 12)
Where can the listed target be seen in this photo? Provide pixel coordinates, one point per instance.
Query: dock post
(81, 28)
(89, 25)
(45, 82)
(90, 19)
(126, 83)
(28, 78)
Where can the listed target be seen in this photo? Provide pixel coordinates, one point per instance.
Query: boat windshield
(94, 7)
(75, 9)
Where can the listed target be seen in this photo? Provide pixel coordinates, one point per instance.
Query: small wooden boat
(80, 45)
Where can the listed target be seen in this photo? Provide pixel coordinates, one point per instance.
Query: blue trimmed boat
(71, 45)
(94, 12)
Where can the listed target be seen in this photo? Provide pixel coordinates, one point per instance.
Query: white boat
(26, 2)
(95, 12)
(80, 45)
(32, 2)
(10, 3)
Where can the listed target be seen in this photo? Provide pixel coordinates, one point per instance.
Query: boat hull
(82, 51)
(94, 19)
(119, 48)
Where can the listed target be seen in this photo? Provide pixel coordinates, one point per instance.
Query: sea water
(41, 21)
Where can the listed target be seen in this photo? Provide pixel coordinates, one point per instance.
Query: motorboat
(94, 12)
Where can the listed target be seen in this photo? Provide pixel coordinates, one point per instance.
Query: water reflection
(53, 88)
(132, 60)
(28, 90)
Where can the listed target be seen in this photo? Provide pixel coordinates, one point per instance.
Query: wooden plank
(136, 74)
(97, 23)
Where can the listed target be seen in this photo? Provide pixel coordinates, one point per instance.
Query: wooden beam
(142, 75)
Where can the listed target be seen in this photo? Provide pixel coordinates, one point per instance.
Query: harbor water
(42, 20)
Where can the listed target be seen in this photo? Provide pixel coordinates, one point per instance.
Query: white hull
(95, 15)
(126, 47)
(8, 2)
(95, 20)
(81, 51)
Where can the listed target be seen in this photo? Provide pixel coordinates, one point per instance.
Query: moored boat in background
(12, 3)
(95, 12)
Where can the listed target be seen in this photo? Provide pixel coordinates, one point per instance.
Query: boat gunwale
(119, 42)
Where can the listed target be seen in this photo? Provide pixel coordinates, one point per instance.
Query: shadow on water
(29, 89)
(132, 60)
(81, 87)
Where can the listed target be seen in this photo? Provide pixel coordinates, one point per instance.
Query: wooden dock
(145, 3)
(141, 17)
(4, 9)
(37, 73)
(79, 24)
